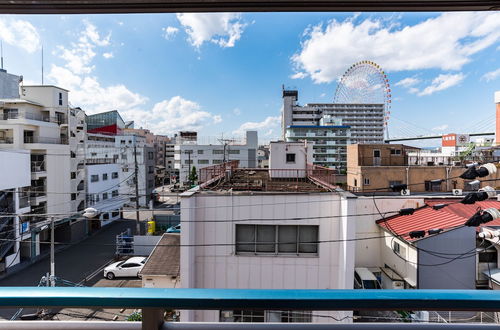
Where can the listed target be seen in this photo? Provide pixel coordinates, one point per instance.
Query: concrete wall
(102, 185)
(277, 159)
(458, 274)
(368, 252)
(159, 281)
(46, 95)
(15, 170)
(144, 245)
(405, 264)
(9, 85)
(220, 267)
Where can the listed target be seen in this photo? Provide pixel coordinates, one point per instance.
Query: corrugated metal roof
(426, 218)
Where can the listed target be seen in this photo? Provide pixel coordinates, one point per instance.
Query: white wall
(277, 159)
(15, 170)
(368, 252)
(102, 185)
(220, 266)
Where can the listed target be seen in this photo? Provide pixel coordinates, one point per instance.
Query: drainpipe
(447, 178)
(408, 176)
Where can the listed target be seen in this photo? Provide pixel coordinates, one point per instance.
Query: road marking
(97, 271)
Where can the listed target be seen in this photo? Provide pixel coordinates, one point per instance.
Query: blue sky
(222, 73)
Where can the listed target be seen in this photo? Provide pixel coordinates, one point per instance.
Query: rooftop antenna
(42, 64)
(1, 54)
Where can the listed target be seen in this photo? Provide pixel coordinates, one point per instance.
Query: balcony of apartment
(31, 139)
(6, 136)
(81, 186)
(44, 116)
(38, 169)
(38, 194)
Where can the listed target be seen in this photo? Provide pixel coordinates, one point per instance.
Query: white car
(128, 268)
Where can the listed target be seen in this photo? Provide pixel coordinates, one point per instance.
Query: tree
(193, 176)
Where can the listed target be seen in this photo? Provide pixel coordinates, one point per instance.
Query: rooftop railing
(154, 301)
(62, 119)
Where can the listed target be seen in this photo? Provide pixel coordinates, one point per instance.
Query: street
(74, 263)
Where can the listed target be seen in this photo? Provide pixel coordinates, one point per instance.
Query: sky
(222, 73)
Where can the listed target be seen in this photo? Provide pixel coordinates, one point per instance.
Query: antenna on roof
(1, 54)
(42, 64)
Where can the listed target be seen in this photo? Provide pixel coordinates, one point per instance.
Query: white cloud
(442, 82)
(81, 53)
(19, 33)
(264, 127)
(223, 29)
(492, 75)
(170, 32)
(108, 55)
(408, 82)
(440, 128)
(446, 42)
(298, 75)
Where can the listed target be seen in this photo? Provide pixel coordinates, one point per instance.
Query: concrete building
(41, 122)
(289, 159)
(14, 200)
(189, 154)
(9, 85)
(247, 207)
(375, 167)
(103, 184)
(366, 123)
(329, 140)
(263, 157)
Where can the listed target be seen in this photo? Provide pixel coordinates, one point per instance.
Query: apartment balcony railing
(45, 140)
(24, 201)
(35, 116)
(38, 166)
(153, 302)
(6, 140)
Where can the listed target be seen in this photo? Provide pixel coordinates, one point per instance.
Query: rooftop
(165, 258)
(425, 218)
(260, 180)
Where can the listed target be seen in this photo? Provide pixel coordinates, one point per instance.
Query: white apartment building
(329, 140)
(366, 121)
(251, 231)
(103, 184)
(39, 120)
(119, 149)
(15, 176)
(189, 153)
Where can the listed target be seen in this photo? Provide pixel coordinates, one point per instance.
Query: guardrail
(154, 301)
(35, 116)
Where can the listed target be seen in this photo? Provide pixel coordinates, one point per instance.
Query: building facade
(190, 154)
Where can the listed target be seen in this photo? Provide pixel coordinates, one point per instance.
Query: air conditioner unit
(405, 192)
(456, 192)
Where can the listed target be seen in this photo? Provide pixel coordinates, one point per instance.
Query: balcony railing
(6, 140)
(45, 140)
(38, 166)
(35, 116)
(154, 301)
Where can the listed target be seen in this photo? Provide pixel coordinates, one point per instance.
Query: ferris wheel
(365, 83)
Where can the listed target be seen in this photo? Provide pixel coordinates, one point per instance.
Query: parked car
(127, 268)
(364, 279)
(174, 229)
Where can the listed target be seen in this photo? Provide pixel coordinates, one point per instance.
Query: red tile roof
(426, 218)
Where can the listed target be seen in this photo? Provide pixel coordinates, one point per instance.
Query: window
(217, 152)
(151, 169)
(282, 239)
(60, 99)
(203, 161)
(366, 181)
(217, 161)
(200, 152)
(73, 197)
(399, 249)
(104, 176)
(266, 316)
(114, 193)
(432, 186)
(105, 216)
(151, 183)
(114, 175)
(151, 155)
(395, 183)
(104, 196)
(355, 182)
(73, 175)
(115, 214)
(290, 158)
(124, 156)
(94, 178)
(376, 153)
(396, 152)
(234, 152)
(188, 161)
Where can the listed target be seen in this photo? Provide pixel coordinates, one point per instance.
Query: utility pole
(136, 180)
(189, 168)
(52, 256)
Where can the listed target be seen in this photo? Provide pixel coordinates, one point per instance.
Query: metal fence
(216, 171)
(322, 175)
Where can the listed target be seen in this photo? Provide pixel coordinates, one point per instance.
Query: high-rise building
(331, 126)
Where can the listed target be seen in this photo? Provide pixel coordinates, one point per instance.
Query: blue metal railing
(204, 299)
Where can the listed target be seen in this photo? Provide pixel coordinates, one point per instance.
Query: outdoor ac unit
(405, 192)
(456, 192)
